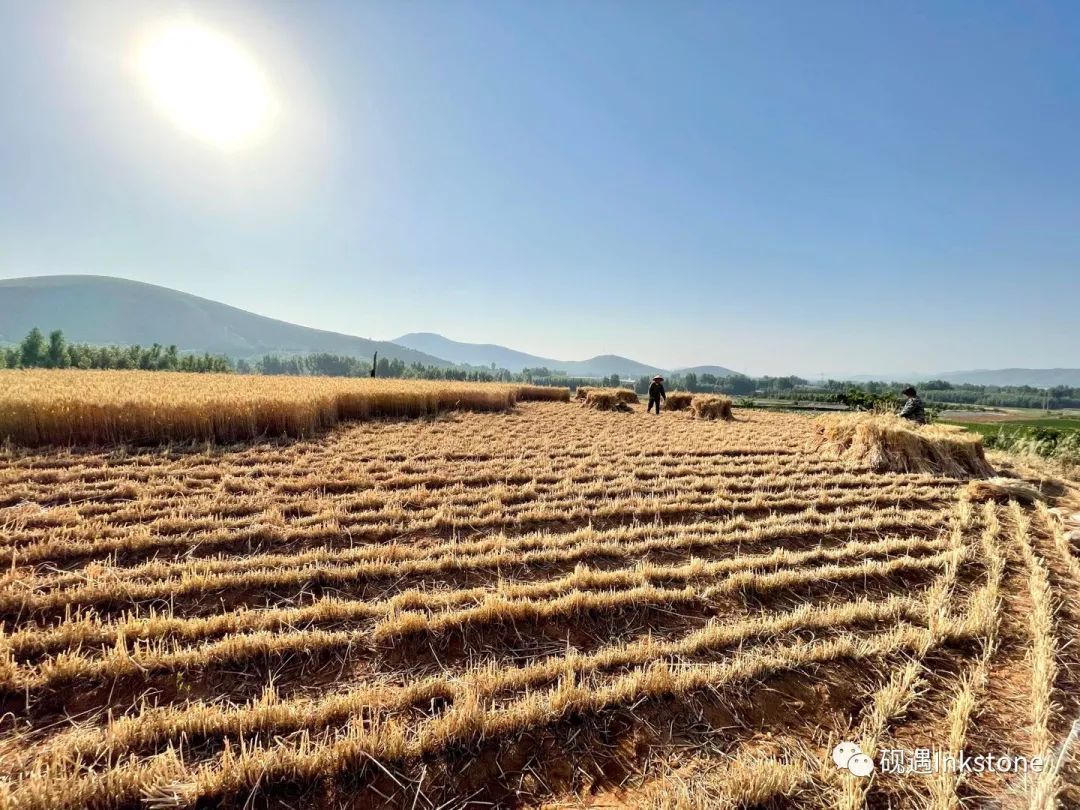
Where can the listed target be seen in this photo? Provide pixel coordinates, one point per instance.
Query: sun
(206, 83)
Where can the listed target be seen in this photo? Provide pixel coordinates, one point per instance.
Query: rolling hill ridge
(108, 310)
(484, 354)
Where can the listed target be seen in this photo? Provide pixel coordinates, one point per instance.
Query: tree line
(335, 365)
(844, 391)
(38, 351)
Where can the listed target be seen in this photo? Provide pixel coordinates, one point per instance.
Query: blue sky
(775, 187)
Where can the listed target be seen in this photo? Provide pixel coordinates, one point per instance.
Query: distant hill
(107, 310)
(716, 371)
(1035, 377)
(609, 364)
(484, 354)
(473, 354)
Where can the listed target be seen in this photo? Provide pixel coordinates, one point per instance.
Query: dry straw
(624, 395)
(520, 593)
(39, 407)
(606, 400)
(1002, 490)
(539, 393)
(889, 443)
(678, 401)
(712, 406)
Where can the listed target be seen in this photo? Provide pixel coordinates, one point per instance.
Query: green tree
(151, 358)
(171, 360)
(57, 356)
(738, 384)
(32, 349)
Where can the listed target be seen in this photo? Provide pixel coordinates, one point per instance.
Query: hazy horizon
(833, 189)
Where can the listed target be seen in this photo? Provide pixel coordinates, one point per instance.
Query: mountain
(716, 371)
(900, 376)
(609, 364)
(1035, 377)
(107, 310)
(484, 354)
(473, 354)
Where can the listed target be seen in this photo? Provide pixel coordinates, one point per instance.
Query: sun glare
(206, 83)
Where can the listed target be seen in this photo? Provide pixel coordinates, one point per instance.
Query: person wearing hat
(656, 393)
(913, 409)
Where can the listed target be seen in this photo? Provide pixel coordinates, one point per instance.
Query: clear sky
(836, 187)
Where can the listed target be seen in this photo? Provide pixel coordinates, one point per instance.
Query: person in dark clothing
(913, 409)
(374, 363)
(656, 393)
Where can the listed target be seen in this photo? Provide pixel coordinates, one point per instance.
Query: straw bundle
(888, 443)
(678, 401)
(542, 393)
(713, 406)
(1002, 490)
(605, 400)
(623, 395)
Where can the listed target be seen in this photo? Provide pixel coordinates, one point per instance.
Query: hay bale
(604, 400)
(542, 393)
(1002, 490)
(678, 401)
(623, 395)
(712, 406)
(888, 443)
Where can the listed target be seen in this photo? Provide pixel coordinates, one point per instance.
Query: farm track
(410, 613)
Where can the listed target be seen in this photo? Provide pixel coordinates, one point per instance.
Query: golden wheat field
(543, 606)
(39, 407)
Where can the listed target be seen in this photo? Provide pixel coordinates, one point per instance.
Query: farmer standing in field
(913, 409)
(656, 393)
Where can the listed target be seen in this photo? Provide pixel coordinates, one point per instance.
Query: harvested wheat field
(548, 606)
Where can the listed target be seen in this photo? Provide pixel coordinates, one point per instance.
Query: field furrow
(549, 606)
